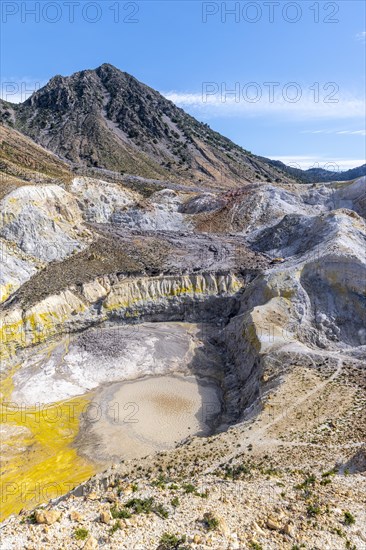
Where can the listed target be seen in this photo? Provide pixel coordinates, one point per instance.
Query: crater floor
(133, 419)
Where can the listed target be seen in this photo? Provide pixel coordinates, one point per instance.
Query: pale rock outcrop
(44, 221)
(16, 268)
(351, 195)
(38, 224)
(162, 213)
(100, 200)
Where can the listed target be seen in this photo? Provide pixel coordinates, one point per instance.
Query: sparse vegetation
(172, 542)
(210, 521)
(349, 518)
(189, 488)
(175, 502)
(117, 525)
(313, 510)
(161, 511)
(81, 533)
(140, 506)
(120, 513)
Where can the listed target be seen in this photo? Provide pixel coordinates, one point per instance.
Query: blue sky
(296, 68)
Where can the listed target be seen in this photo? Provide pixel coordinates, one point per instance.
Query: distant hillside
(314, 175)
(106, 118)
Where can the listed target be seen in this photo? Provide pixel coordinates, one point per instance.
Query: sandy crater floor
(133, 419)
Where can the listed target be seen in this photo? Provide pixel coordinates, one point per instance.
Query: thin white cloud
(337, 132)
(306, 162)
(352, 132)
(217, 105)
(361, 36)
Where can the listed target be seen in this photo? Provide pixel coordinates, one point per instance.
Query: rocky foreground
(210, 494)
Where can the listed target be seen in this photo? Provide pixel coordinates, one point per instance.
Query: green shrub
(308, 481)
(161, 511)
(326, 481)
(189, 488)
(236, 472)
(32, 518)
(313, 510)
(175, 502)
(160, 482)
(349, 518)
(81, 534)
(120, 513)
(329, 473)
(115, 527)
(172, 542)
(210, 520)
(140, 506)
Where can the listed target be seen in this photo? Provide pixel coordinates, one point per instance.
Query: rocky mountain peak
(106, 119)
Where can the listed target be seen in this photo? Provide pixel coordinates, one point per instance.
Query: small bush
(211, 522)
(313, 510)
(120, 513)
(349, 518)
(81, 534)
(115, 527)
(326, 481)
(160, 482)
(236, 472)
(172, 542)
(339, 532)
(308, 481)
(140, 506)
(189, 488)
(161, 511)
(32, 518)
(175, 502)
(329, 473)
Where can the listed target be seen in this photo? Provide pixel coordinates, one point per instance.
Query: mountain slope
(106, 118)
(22, 161)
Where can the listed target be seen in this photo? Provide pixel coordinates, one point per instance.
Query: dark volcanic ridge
(105, 118)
